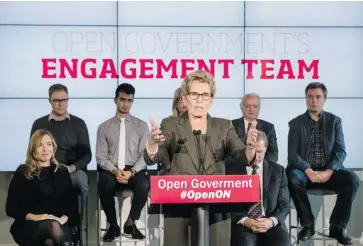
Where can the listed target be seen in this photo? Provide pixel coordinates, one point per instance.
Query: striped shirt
(108, 134)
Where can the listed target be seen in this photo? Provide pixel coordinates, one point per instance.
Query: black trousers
(107, 185)
(275, 236)
(346, 184)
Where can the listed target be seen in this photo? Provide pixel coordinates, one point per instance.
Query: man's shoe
(133, 231)
(339, 234)
(306, 233)
(66, 244)
(112, 233)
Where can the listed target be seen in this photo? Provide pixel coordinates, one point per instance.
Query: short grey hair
(250, 95)
(262, 136)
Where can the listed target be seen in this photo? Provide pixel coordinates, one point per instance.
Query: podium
(204, 190)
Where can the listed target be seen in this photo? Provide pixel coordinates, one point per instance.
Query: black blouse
(51, 193)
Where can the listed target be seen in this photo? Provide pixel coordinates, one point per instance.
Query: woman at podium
(195, 144)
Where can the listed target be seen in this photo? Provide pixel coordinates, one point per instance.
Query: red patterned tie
(255, 210)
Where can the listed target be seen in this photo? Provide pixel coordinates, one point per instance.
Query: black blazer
(23, 196)
(299, 145)
(268, 128)
(276, 200)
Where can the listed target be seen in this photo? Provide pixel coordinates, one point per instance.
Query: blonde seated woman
(40, 195)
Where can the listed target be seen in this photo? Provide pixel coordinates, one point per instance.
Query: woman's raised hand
(156, 137)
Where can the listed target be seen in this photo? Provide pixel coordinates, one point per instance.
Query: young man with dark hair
(316, 152)
(121, 141)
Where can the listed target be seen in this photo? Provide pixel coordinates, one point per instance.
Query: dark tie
(248, 128)
(255, 211)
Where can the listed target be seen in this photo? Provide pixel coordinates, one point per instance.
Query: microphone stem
(199, 155)
(199, 151)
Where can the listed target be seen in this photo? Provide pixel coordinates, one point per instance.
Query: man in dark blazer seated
(263, 223)
(316, 152)
(250, 107)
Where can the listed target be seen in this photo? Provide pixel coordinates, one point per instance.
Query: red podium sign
(204, 189)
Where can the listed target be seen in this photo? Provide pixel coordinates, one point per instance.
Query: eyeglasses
(195, 96)
(62, 100)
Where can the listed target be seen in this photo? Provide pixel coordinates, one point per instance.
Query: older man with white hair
(250, 107)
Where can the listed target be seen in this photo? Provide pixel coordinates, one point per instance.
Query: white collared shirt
(52, 117)
(260, 174)
(246, 123)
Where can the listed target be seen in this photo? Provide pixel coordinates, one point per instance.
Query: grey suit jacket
(178, 156)
(178, 153)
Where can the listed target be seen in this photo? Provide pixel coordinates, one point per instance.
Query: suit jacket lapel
(266, 182)
(306, 137)
(259, 125)
(243, 131)
(213, 134)
(185, 130)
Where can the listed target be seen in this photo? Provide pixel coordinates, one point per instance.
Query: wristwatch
(133, 172)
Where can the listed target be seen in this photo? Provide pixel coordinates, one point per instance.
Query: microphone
(181, 142)
(201, 212)
(197, 133)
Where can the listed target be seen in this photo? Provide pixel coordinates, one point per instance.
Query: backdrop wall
(300, 42)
